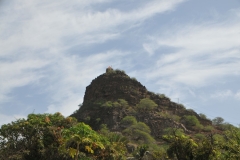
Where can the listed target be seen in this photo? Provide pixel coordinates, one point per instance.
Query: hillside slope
(114, 95)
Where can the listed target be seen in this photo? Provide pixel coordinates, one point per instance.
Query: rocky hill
(114, 95)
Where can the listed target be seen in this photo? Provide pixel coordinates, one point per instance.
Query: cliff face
(101, 105)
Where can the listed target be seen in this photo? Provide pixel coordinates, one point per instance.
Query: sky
(50, 51)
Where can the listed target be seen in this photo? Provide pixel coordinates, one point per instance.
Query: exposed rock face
(114, 85)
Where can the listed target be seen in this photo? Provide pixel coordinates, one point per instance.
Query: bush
(107, 104)
(146, 104)
(123, 103)
(118, 71)
(208, 128)
(217, 121)
(129, 120)
(132, 111)
(161, 95)
(133, 78)
(117, 104)
(203, 116)
(191, 121)
(198, 127)
(170, 116)
(172, 131)
(199, 136)
(160, 154)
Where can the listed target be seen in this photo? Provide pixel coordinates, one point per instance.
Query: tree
(138, 132)
(180, 146)
(191, 120)
(231, 144)
(35, 138)
(146, 104)
(184, 147)
(81, 141)
(217, 121)
(128, 121)
(115, 147)
(203, 116)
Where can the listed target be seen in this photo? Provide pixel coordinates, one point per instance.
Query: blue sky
(188, 50)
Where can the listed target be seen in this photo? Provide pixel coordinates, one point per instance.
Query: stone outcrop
(114, 85)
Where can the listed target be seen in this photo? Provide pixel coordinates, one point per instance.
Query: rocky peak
(114, 85)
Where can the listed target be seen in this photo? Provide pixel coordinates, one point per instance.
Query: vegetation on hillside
(52, 136)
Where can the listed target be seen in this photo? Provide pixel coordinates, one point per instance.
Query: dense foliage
(52, 137)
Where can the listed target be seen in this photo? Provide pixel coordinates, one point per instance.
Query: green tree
(128, 121)
(180, 146)
(115, 146)
(217, 121)
(146, 104)
(203, 116)
(184, 147)
(35, 138)
(191, 120)
(139, 133)
(81, 141)
(231, 144)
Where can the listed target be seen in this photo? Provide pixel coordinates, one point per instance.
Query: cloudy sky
(51, 50)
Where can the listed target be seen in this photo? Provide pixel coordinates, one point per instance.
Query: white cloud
(35, 35)
(49, 24)
(18, 73)
(199, 54)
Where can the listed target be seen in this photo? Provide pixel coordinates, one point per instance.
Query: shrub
(217, 121)
(175, 117)
(133, 78)
(123, 103)
(208, 128)
(198, 127)
(107, 104)
(146, 104)
(139, 133)
(172, 131)
(190, 110)
(160, 154)
(170, 116)
(119, 71)
(199, 136)
(191, 120)
(203, 116)
(116, 104)
(132, 111)
(161, 95)
(129, 120)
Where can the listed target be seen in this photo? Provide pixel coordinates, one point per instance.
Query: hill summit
(114, 95)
